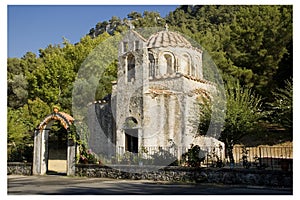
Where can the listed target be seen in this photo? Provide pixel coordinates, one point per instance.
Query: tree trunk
(229, 150)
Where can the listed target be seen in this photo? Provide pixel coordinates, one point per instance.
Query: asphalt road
(63, 185)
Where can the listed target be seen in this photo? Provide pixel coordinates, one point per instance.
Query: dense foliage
(243, 115)
(253, 44)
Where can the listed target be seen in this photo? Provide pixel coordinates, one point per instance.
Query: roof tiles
(167, 38)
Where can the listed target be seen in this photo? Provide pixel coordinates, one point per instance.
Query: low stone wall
(184, 174)
(174, 174)
(19, 168)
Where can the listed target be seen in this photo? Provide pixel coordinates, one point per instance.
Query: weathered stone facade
(153, 101)
(102, 126)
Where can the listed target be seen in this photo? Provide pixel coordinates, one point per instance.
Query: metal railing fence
(264, 157)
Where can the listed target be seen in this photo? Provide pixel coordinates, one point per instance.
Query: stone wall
(102, 128)
(174, 174)
(19, 168)
(183, 174)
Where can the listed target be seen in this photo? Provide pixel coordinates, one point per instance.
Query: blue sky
(33, 27)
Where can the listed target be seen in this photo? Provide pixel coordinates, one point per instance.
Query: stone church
(153, 100)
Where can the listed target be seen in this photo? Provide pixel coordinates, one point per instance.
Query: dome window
(167, 64)
(151, 65)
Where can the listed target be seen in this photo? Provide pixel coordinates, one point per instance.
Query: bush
(193, 157)
(20, 153)
(88, 157)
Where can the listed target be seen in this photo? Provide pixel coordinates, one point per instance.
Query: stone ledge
(19, 168)
(19, 164)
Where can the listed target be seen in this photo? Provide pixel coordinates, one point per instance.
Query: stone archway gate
(40, 152)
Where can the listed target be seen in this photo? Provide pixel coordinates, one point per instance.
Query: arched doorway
(57, 149)
(131, 135)
(41, 143)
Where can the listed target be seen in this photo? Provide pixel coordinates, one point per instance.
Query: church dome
(167, 39)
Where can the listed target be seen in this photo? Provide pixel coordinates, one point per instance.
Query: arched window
(136, 45)
(125, 47)
(151, 65)
(167, 64)
(130, 67)
(130, 122)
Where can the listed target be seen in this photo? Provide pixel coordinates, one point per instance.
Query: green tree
(13, 67)
(95, 75)
(19, 139)
(16, 84)
(134, 19)
(134, 15)
(17, 91)
(17, 71)
(247, 42)
(282, 106)
(29, 62)
(34, 111)
(243, 114)
(52, 80)
(105, 86)
(16, 128)
(151, 19)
